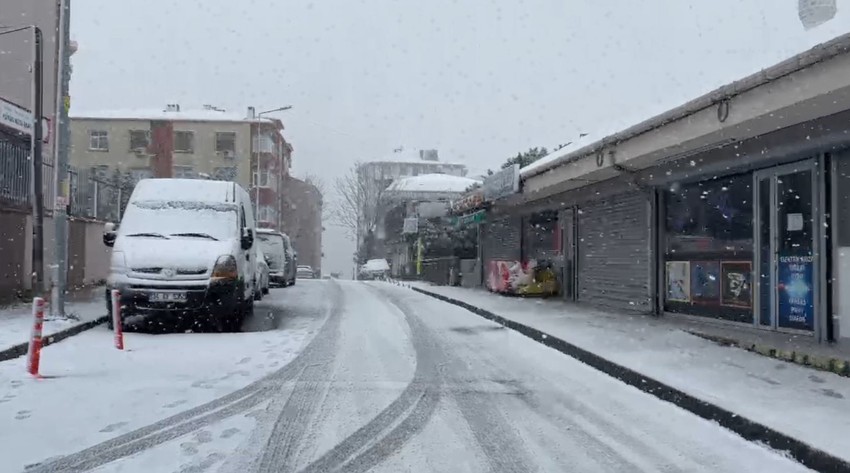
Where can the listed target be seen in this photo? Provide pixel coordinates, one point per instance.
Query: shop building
(733, 206)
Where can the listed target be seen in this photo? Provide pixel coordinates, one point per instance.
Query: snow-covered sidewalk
(811, 406)
(16, 321)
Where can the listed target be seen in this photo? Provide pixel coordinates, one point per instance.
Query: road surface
(393, 381)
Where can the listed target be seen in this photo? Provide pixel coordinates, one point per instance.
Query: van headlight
(118, 264)
(225, 269)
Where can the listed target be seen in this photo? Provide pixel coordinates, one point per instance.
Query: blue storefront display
(796, 294)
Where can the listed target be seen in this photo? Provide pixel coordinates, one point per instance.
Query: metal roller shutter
(501, 240)
(613, 252)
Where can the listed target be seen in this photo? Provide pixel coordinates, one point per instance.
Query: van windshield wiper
(197, 235)
(154, 235)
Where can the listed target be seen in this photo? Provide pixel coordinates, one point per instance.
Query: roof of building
(408, 156)
(196, 115)
(432, 183)
(622, 129)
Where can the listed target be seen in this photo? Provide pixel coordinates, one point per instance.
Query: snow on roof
(196, 115)
(658, 113)
(183, 190)
(432, 183)
(376, 265)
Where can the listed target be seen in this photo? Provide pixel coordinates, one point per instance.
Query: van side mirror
(109, 234)
(247, 238)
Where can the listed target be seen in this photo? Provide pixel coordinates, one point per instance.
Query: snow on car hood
(176, 252)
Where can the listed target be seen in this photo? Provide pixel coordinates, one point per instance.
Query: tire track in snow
(205, 414)
(402, 419)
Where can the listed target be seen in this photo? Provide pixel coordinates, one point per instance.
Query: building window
(709, 235)
(225, 142)
(182, 172)
(267, 179)
(227, 173)
(139, 139)
(137, 174)
(184, 142)
(267, 213)
(98, 140)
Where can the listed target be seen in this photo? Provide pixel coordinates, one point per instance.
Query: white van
(183, 252)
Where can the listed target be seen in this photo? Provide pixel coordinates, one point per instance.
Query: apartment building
(208, 143)
(302, 220)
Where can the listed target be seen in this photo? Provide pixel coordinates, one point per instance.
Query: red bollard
(116, 319)
(34, 349)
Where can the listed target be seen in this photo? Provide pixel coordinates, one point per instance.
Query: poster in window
(796, 292)
(705, 282)
(736, 283)
(678, 281)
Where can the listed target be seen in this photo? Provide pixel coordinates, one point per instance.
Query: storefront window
(709, 248)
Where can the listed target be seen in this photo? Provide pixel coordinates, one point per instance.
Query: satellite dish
(814, 13)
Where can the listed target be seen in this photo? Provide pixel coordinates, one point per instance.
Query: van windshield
(167, 218)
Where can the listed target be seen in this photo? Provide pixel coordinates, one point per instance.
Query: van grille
(148, 270)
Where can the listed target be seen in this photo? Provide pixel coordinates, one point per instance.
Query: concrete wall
(88, 258)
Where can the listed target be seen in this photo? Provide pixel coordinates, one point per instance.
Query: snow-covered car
(262, 275)
(183, 253)
(273, 244)
(305, 272)
(375, 269)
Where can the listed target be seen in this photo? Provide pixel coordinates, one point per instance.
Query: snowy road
(391, 381)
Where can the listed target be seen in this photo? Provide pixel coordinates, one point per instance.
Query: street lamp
(257, 181)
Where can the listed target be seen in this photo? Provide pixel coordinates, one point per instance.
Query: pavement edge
(750, 430)
(21, 348)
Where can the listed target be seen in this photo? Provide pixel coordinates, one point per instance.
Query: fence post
(34, 349)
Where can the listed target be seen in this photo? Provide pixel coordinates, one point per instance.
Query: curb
(822, 363)
(21, 349)
(750, 430)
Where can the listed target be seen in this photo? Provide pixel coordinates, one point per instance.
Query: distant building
(379, 174)
(302, 220)
(208, 143)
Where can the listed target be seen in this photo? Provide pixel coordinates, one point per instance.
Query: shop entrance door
(786, 247)
(568, 243)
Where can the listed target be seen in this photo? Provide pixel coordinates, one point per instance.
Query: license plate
(175, 296)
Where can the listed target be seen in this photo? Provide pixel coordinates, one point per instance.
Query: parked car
(262, 276)
(305, 272)
(375, 269)
(183, 253)
(273, 244)
(291, 260)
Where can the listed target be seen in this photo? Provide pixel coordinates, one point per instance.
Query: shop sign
(471, 200)
(470, 219)
(736, 284)
(20, 119)
(411, 225)
(15, 117)
(796, 292)
(502, 183)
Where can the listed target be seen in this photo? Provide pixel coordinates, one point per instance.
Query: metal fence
(99, 196)
(15, 171)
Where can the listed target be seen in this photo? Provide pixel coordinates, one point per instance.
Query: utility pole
(61, 148)
(35, 143)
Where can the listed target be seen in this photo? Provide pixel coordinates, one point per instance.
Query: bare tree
(317, 182)
(357, 200)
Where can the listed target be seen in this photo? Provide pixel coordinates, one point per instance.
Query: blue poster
(796, 292)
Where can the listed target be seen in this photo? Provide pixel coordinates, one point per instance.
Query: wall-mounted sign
(736, 288)
(20, 119)
(411, 225)
(796, 293)
(502, 183)
(469, 201)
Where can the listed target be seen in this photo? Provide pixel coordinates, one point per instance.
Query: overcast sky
(477, 80)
